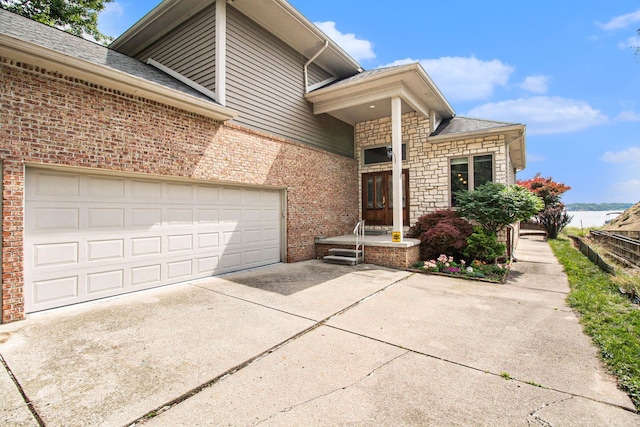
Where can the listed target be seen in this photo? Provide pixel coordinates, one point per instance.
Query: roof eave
(155, 24)
(32, 54)
(517, 143)
(414, 73)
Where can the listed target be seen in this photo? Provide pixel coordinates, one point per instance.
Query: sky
(568, 70)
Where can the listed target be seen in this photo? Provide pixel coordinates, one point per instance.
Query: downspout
(306, 65)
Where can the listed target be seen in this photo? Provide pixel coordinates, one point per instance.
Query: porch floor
(378, 249)
(383, 240)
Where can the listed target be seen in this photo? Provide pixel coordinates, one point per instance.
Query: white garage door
(89, 236)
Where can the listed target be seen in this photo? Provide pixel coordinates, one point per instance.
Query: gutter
(108, 77)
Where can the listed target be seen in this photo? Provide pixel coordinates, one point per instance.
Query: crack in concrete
(24, 396)
(541, 421)
(320, 396)
(168, 405)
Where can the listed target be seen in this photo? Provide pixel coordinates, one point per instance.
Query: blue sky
(567, 70)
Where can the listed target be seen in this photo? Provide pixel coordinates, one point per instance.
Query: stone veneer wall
(428, 159)
(52, 119)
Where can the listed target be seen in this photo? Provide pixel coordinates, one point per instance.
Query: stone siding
(51, 119)
(428, 159)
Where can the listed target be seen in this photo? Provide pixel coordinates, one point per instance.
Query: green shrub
(483, 245)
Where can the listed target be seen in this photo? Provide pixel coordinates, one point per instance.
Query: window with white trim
(469, 173)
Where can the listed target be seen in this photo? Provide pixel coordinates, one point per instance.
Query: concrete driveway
(316, 344)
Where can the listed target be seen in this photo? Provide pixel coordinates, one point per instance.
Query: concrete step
(345, 252)
(344, 260)
(374, 232)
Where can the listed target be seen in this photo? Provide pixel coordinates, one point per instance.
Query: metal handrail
(358, 230)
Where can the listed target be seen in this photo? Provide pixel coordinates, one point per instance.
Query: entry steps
(344, 256)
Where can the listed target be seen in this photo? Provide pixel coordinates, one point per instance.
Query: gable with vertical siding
(265, 83)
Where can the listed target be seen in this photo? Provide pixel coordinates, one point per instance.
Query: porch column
(396, 147)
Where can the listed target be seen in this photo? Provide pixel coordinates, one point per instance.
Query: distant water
(588, 218)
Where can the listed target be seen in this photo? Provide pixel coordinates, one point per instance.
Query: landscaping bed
(481, 271)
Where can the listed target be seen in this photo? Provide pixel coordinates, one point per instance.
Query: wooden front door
(377, 198)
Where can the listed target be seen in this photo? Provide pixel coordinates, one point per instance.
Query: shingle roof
(24, 29)
(363, 75)
(456, 125)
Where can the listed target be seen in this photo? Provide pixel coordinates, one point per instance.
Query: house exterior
(210, 137)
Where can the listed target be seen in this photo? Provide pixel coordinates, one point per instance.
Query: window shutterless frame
(469, 172)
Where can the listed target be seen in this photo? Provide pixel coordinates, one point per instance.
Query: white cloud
(631, 42)
(628, 191)
(628, 116)
(464, 79)
(536, 84)
(630, 155)
(359, 49)
(543, 114)
(113, 8)
(621, 22)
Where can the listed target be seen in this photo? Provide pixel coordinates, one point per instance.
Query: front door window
(377, 198)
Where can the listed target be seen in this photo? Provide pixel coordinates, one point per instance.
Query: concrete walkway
(316, 344)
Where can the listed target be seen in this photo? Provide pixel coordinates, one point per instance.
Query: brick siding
(51, 119)
(393, 257)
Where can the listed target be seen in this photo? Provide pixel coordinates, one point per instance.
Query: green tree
(495, 206)
(78, 17)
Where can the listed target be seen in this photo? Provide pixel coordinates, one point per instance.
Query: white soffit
(369, 97)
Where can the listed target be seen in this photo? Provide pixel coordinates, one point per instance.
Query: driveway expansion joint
(168, 405)
(346, 387)
(24, 396)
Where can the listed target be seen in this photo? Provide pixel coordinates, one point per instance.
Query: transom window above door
(377, 155)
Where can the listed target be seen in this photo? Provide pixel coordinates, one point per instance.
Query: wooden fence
(623, 248)
(592, 255)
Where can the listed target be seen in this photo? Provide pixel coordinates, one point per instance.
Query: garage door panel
(58, 289)
(146, 217)
(207, 194)
(179, 243)
(180, 269)
(113, 235)
(49, 184)
(55, 254)
(208, 240)
(56, 219)
(146, 275)
(231, 196)
(103, 187)
(105, 281)
(141, 246)
(105, 250)
(180, 192)
(207, 216)
(179, 217)
(146, 190)
(100, 218)
(208, 264)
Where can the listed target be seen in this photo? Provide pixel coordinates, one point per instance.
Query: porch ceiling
(367, 96)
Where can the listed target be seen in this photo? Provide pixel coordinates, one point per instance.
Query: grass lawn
(611, 320)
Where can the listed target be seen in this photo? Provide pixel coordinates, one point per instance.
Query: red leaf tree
(554, 217)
